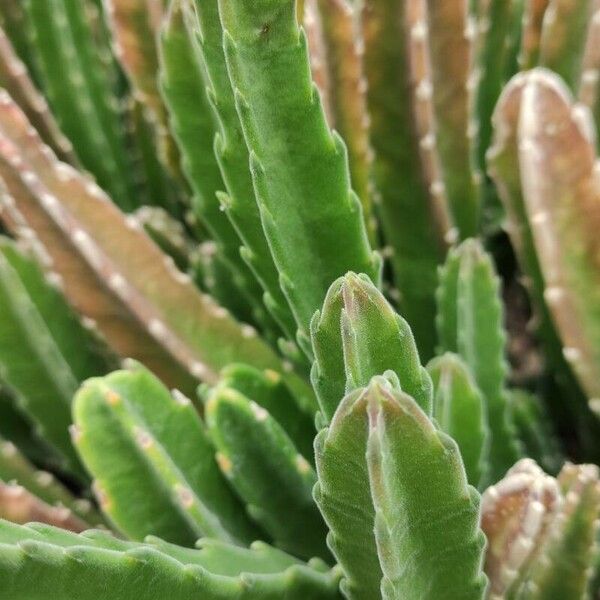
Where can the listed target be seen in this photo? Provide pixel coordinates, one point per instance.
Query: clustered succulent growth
(299, 299)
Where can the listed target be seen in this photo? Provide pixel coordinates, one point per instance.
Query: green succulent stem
(166, 482)
(358, 335)
(393, 490)
(306, 203)
(93, 564)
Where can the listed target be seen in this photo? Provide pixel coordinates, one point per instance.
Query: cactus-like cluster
(299, 299)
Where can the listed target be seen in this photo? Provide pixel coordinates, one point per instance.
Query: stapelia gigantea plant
(359, 243)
